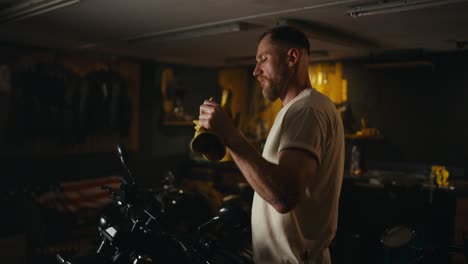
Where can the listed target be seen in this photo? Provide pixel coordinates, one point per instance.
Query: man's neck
(292, 91)
(299, 81)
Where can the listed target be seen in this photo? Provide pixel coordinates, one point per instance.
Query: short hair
(287, 36)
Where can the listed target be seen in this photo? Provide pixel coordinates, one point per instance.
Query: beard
(273, 89)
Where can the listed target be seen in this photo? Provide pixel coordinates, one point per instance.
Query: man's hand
(214, 118)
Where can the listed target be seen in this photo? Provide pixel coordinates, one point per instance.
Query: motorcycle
(131, 234)
(401, 247)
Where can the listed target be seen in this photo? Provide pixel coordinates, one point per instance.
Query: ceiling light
(190, 32)
(386, 7)
(31, 8)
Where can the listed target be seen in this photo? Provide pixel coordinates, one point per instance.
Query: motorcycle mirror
(61, 260)
(397, 236)
(122, 155)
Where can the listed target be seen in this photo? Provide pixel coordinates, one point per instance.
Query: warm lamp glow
(328, 79)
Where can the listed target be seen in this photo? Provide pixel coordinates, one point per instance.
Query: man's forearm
(267, 179)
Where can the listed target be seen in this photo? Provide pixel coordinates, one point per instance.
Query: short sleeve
(303, 128)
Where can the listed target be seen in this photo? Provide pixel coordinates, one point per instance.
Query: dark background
(421, 113)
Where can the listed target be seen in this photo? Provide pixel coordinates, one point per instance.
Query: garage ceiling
(193, 31)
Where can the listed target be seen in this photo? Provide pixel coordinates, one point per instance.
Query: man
(297, 180)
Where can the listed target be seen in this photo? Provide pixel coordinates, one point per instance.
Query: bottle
(208, 143)
(355, 165)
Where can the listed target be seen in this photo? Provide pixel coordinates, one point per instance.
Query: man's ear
(293, 56)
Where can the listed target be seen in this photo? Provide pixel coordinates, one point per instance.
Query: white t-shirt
(309, 122)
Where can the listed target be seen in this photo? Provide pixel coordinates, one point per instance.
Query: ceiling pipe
(236, 20)
(24, 10)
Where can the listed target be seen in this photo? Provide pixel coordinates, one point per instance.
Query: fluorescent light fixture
(386, 7)
(31, 8)
(190, 32)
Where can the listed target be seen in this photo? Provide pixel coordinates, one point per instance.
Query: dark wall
(160, 147)
(421, 111)
(199, 84)
(164, 147)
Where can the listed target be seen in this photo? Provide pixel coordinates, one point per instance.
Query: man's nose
(256, 71)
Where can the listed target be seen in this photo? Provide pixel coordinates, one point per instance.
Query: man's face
(271, 70)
